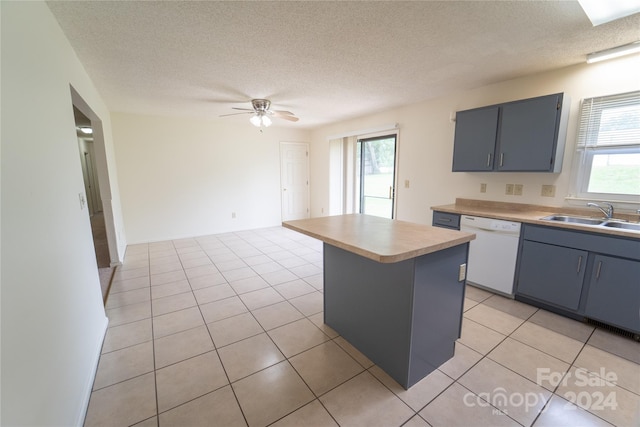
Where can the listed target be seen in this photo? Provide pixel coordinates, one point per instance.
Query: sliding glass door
(375, 161)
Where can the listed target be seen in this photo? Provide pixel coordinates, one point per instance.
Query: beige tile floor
(228, 330)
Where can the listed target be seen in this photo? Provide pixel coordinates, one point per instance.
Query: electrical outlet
(517, 189)
(548, 191)
(462, 272)
(233, 215)
(483, 188)
(406, 183)
(509, 190)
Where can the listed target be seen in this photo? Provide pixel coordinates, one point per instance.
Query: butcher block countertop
(532, 214)
(380, 239)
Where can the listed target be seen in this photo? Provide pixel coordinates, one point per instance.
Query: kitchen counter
(379, 239)
(531, 214)
(393, 289)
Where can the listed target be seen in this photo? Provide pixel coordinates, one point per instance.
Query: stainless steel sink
(623, 225)
(574, 219)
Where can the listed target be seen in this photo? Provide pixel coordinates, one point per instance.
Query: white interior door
(294, 180)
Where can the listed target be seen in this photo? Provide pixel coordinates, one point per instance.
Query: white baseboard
(89, 387)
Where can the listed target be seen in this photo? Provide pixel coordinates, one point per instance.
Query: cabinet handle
(598, 270)
(445, 220)
(579, 263)
(488, 159)
(501, 159)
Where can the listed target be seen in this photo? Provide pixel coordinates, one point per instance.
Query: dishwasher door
(492, 255)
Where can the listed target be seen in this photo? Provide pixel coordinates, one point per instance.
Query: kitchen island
(393, 289)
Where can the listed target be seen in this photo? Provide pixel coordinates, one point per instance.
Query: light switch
(406, 183)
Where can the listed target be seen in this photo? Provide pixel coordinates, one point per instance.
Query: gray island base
(393, 289)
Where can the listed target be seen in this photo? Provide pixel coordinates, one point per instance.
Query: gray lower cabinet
(552, 273)
(404, 316)
(581, 274)
(446, 220)
(614, 292)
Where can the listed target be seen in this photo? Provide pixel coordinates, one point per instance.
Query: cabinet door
(552, 274)
(475, 140)
(528, 134)
(614, 292)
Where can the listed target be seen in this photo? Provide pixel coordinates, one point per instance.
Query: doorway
(294, 180)
(375, 175)
(84, 132)
(95, 176)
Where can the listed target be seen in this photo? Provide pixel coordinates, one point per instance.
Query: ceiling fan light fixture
(261, 115)
(260, 119)
(256, 120)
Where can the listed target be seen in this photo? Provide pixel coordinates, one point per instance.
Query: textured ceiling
(325, 61)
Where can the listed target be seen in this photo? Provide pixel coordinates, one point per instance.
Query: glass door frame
(360, 171)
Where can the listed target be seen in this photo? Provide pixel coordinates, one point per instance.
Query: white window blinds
(608, 148)
(610, 121)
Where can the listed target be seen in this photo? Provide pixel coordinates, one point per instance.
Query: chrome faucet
(608, 212)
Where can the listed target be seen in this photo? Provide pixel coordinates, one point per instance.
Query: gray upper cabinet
(475, 142)
(520, 136)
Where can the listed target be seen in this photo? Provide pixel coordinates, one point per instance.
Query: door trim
(308, 197)
(104, 182)
(379, 136)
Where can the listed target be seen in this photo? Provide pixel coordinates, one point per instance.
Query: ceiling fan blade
(290, 118)
(288, 113)
(243, 109)
(235, 114)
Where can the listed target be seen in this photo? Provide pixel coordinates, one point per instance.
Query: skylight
(603, 11)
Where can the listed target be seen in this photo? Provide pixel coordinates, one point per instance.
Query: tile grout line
(155, 377)
(197, 355)
(233, 245)
(485, 356)
(454, 381)
(287, 358)
(224, 369)
(571, 365)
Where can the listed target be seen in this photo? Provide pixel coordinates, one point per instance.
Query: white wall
(426, 140)
(53, 319)
(184, 177)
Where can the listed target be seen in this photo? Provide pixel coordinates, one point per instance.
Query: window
(608, 148)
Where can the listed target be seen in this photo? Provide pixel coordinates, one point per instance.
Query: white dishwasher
(492, 255)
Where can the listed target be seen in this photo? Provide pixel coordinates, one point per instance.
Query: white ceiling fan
(261, 113)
